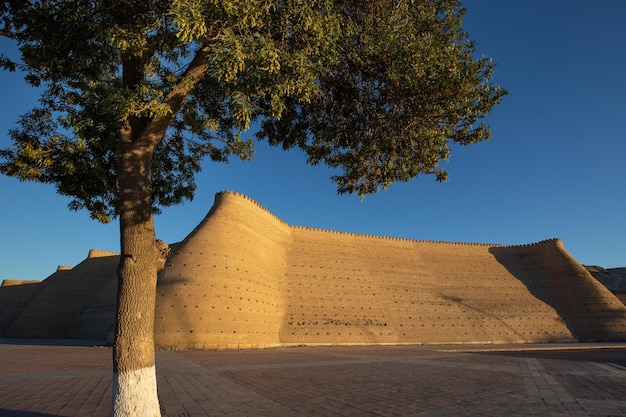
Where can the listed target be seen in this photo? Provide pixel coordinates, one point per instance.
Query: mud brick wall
(56, 308)
(15, 296)
(348, 289)
(96, 320)
(244, 278)
(586, 307)
(13, 282)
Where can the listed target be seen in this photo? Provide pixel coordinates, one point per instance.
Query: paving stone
(575, 380)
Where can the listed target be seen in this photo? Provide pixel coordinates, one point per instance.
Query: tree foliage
(375, 89)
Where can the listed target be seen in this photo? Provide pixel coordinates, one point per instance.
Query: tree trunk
(142, 255)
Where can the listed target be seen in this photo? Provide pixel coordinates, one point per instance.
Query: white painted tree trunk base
(135, 394)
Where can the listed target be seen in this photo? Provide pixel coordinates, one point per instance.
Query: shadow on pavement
(14, 413)
(51, 342)
(615, 356)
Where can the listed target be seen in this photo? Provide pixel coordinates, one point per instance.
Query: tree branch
(196, 70)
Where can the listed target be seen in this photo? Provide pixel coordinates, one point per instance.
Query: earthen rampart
(97, 253)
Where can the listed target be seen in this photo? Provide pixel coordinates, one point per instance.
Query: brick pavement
(46, 378)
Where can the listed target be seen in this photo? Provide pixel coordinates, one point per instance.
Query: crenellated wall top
(96, 253)
(254, 202)
(369, 236)
(14, 282)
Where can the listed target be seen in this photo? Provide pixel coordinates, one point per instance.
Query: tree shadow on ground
(17, 413)
(607, 355)
(51, 342)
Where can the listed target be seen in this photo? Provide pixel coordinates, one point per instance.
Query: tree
(136, 93)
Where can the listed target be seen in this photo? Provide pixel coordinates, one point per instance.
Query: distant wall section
(57, 306)
(15, 296)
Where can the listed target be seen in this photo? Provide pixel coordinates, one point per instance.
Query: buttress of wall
(588, 309)
(346, 288)
(221, 288)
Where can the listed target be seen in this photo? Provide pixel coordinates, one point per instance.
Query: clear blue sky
(556, 166)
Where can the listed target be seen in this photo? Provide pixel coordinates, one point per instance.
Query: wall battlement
(13, 282)
(316, 229)
(96, 253)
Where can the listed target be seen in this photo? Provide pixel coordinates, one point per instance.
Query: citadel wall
(244, 278)
(552, 275)
(374, 290)
(96, 320)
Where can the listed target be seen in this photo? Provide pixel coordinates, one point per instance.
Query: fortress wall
(53, 312)
(14, 298)
(330, 292)
(349, 288)
(483, 301)
(244, 278)
(222, 286)
(361, 289)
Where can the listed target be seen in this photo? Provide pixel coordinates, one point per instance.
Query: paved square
(72, 378)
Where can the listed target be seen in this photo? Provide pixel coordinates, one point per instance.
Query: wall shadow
(589, 310)
(603, 355)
